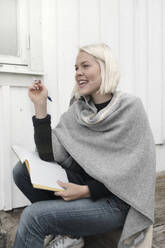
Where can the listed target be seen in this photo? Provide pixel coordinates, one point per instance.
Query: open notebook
(44, 175)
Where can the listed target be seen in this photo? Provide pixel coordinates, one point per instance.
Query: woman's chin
(84, 93)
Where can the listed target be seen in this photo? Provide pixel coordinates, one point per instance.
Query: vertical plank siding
(2, 191)
(163, 65)
(6, 136)
(141, 51)
(126, 41)
(110, 24)
(21, 132)
(50, 54)
(89, 22)
(67, 40)
(155, 79)
(134, 29)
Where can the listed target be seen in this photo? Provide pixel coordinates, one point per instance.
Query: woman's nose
(79, 72)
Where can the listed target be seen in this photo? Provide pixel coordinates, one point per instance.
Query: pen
(49, 98)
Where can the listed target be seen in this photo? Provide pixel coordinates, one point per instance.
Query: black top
(75, 173)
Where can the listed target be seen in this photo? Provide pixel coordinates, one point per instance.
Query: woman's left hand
(72, 191)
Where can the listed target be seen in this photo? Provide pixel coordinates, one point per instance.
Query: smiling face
(88, 75)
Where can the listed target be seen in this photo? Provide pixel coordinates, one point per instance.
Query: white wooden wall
(134, 31)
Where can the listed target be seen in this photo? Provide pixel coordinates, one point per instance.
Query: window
(8, 27)
(14, 32)
(21, 36)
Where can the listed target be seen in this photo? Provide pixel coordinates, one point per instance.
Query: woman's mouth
(82, 83)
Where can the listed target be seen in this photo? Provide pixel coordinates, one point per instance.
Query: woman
(105, 144)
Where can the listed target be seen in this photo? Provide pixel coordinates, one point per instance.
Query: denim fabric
(51, 215)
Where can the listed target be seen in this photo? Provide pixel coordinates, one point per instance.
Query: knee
(31, 219)
(28, 216)
(18, 173)
(26, 221)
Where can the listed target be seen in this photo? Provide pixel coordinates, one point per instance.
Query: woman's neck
(97, 99)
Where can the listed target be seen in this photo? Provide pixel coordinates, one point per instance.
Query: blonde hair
(109, 68)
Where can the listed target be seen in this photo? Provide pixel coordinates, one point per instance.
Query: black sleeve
(97, 189)
(42, 137)
(76, 174)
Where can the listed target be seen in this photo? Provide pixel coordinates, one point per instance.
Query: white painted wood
(19, 70)
(50, 56)
(67, 43)
(29, 38)
(6, 160)
(15, 79)
(141, 51)
(16, 127)
(22, 32)
(21, 112)
(8, 27)
(155, 83)
(126, 51)
(2, 191)
(160, 158)
(163, 66)
(89, 22)
(109, 22)
(35, 32)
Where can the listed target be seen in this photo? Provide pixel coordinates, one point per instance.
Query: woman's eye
(85, 66)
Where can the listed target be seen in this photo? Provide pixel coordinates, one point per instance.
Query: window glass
(8, 27)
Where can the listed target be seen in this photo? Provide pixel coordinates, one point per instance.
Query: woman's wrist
(85, 191)
(40, 110)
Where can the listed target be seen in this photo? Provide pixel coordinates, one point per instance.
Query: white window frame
(22, 36)
(30, 59)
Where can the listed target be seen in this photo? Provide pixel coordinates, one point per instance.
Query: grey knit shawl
(116, 147)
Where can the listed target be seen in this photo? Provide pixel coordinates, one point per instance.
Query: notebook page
(20, 152)
(46, 173)
(42, 173)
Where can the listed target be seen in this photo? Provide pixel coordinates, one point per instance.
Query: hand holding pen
(39, 82)
(38, 91)
(38, 94)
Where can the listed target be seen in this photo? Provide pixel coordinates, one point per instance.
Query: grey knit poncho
(116, 147)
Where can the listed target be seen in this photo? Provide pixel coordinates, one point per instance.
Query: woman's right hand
(38, 94)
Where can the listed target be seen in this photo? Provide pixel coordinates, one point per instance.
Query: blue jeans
(49, 214)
